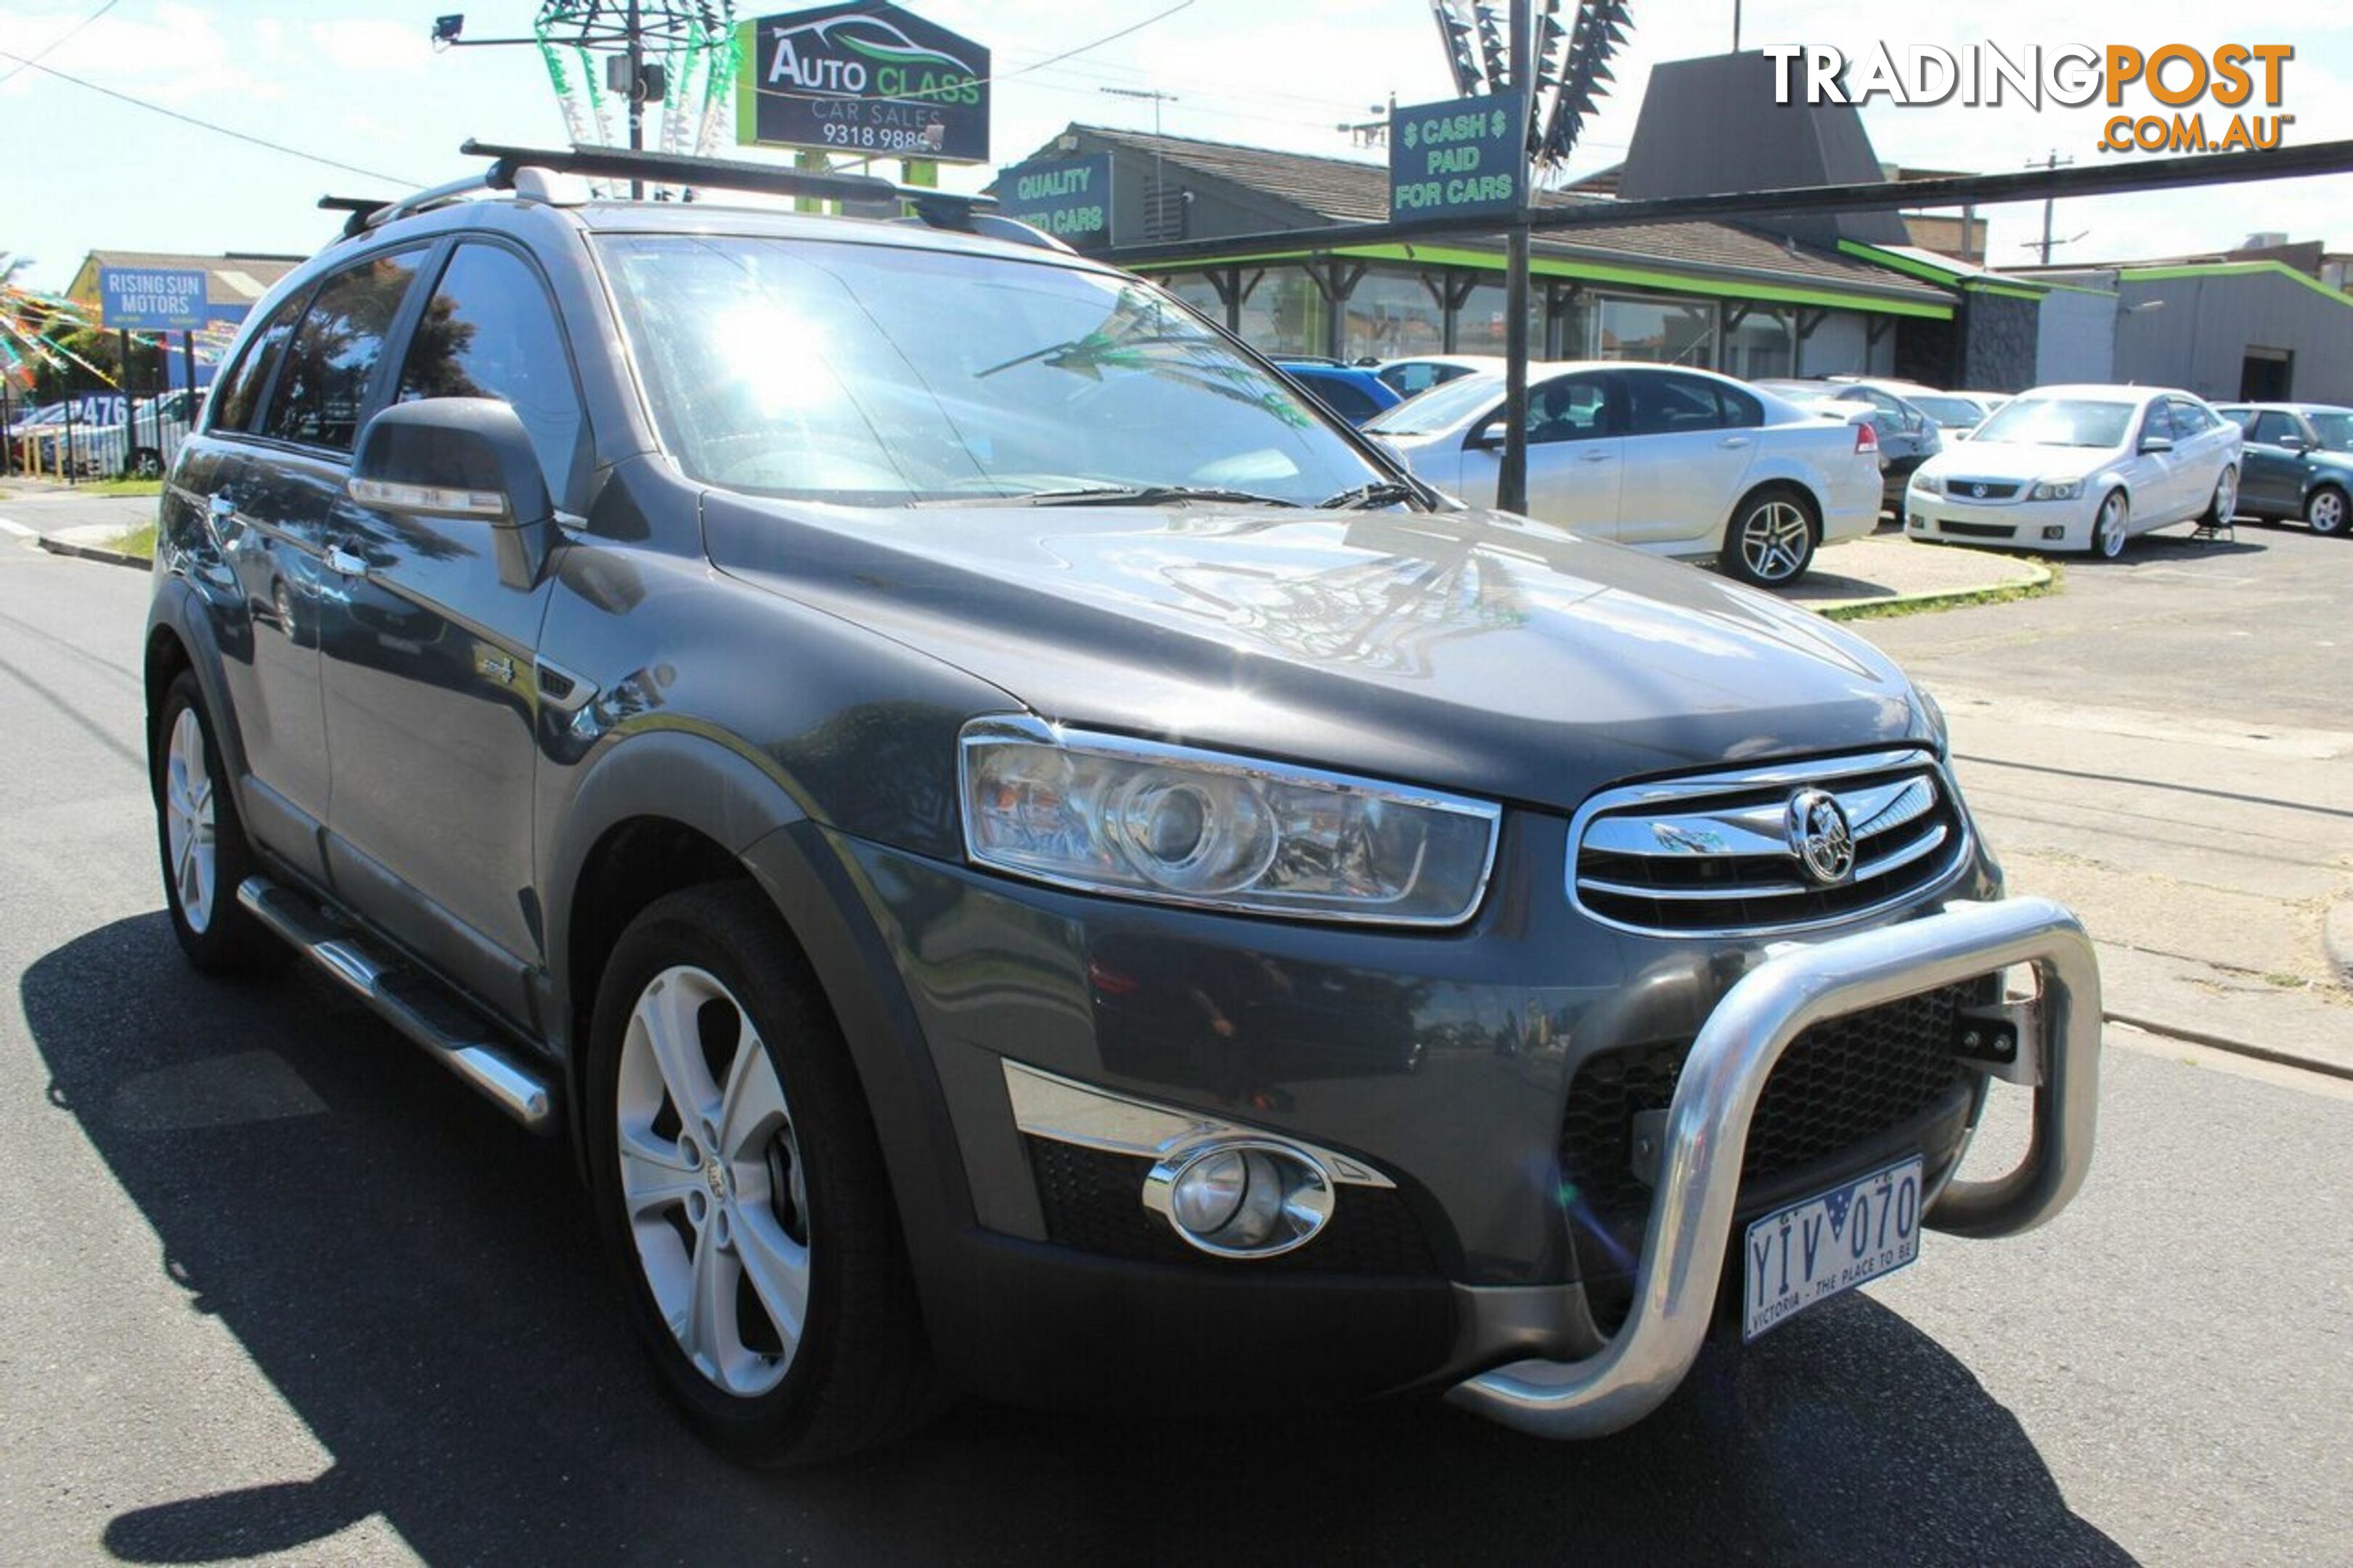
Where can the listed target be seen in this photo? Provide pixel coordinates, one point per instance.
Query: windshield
(2058, 422)
(1439, 408)
(873, 375)
(1949, 411)
(2335, 428)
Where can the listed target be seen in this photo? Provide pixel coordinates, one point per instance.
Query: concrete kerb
(2039, 580)
(81, 542)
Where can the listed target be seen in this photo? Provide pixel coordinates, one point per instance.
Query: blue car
(1353, 394)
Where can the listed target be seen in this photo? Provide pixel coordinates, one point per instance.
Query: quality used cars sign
(862, 76)
(2163, 91)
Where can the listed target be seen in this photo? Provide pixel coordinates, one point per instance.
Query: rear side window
(332, 363)
(1574, 408)
(1668, 405)
(2273, 425)
(1344, 398)
(233, 405)
(490, 332)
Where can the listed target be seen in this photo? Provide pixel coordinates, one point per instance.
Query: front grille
(1840, 1083)
(1979, 530)
(1715, 854)
(1092, 1201)
(1981, 490)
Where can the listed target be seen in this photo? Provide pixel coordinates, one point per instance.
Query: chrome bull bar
(1715, 1097)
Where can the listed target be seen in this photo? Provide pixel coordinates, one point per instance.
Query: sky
(357, 81)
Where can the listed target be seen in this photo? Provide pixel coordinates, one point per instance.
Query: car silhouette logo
(1820, 836)
(1977, 490)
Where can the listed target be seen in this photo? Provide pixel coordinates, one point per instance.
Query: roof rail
(365, 216)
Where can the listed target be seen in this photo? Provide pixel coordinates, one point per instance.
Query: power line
(766, 91)
(33, 63)
(58, 42)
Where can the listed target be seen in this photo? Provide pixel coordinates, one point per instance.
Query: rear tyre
(203, 841)
(2111, 527)
(2326, 512)
(2223, 505)
(741, 1192)
(1770, 541)
(146, 464)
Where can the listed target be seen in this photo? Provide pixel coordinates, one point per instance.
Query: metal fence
(94, 435)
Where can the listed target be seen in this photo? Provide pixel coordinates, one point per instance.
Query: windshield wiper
(1380, 492)
(1147, 495)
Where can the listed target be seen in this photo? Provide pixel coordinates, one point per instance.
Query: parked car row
(99, 441)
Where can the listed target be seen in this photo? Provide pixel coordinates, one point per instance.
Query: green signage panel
(1069, 198)
(1462, 158)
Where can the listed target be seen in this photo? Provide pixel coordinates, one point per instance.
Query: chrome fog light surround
(1241, 1197)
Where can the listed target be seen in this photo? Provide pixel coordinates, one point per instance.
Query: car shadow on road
(417, 1280)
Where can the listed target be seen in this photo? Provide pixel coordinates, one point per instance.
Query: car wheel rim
(711, 1177)
(2328, 512)
(2226, 497)
(1773, 541)
(2111, 527)
(188, 820)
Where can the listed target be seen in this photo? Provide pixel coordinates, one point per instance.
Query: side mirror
(2293, 444)
(2157, 444)
(1489, 435)
(460, 458)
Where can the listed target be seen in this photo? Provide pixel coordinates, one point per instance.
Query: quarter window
(489, 332)
(331, 365)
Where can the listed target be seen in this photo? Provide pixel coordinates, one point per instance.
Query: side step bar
(409, 1003)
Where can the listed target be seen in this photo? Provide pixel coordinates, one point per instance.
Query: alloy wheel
(2109, 534)
(188, 816)
(711, 1176)
(1773, 539)
(2325, 512)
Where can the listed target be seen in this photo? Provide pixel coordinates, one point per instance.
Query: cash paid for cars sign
(1457, 159)
(862, 76)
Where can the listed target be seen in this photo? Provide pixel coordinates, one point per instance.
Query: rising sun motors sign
(863, 77)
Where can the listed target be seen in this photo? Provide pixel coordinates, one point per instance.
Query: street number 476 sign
(1457, 159)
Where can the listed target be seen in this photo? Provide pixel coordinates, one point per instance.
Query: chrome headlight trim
(1026, 728)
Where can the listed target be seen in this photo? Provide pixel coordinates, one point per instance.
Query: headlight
(2055, 490)
(1138, 819)
(1927, 484)
(1941, 733)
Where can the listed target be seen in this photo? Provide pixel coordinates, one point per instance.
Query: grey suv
(1028, 859)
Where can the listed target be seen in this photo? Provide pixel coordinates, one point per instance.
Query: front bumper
(1682, 1259)
(2004, 525)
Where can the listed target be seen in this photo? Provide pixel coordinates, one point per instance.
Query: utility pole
(1735, 27)
(2053, 161)
(1512, 483)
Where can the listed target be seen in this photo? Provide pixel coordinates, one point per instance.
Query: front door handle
(1598, 456)
(342, 560)
(1734, 441)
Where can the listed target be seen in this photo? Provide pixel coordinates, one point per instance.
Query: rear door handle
(1734, 441)
(342, 560)
(1599, 457)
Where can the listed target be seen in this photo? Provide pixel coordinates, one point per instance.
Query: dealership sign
(151, 299)
(862, 76)
(1069, 198)
(1463, 158)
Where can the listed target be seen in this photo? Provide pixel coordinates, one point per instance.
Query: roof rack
(514, 168)
(938, 209)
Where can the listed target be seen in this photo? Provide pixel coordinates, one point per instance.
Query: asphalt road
(278, 1288)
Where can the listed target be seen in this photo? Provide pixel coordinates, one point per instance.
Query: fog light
(1254, 1198)
(1919, 524)
(2055, 530)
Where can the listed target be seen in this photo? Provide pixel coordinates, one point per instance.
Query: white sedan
(1673, 461)
(2079, 467)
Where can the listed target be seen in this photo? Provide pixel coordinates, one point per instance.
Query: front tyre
(2325, 512)
(1770, 541)
(2111, 527)
(740, 1190)
(205, 855)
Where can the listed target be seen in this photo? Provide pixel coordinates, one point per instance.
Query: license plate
(1814, 1249)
